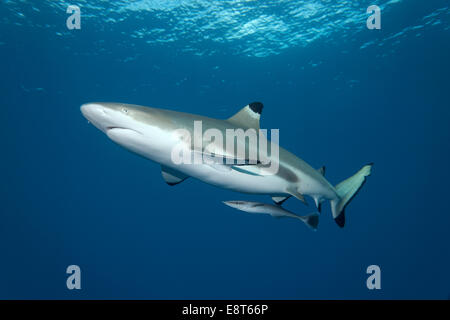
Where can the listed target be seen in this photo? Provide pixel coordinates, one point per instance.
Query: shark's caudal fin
(346, 190)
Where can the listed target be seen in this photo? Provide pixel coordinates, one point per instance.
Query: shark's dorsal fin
(172, 176)
(248, 117)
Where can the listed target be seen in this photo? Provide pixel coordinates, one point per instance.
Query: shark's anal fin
(318, 204)
(317, 200)
(280, 200)
(298, 195)
(172, 176)
(248, 117)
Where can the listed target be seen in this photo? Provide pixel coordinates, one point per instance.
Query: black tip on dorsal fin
(248, 116)
(256, 107)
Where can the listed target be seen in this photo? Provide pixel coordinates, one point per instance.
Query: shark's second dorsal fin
(248, 117)
(322, 170)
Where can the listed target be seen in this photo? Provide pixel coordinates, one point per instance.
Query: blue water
(341, 95)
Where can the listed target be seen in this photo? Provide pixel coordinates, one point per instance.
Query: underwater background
(342, 96)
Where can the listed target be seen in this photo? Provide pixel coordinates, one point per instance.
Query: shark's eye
(124, 110)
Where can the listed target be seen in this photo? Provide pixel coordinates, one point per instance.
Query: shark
(276, 211)
(155, 133)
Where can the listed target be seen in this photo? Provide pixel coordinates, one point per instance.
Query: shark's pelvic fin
(280, 200)
(298, 195)
(248, 117)
(172, 176)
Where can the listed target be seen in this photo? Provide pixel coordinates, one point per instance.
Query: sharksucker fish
(155, 133)
(276, 211)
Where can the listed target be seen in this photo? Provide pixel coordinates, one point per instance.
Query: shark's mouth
(113, 129)
(120, 128)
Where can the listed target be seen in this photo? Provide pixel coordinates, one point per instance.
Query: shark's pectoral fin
(279, 200)
(298, 195)
(172, 176)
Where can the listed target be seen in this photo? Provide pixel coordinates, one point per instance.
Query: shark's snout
(97, 114)
(234, 204)
(92, 111)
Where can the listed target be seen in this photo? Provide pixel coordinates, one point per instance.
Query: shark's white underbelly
(228, 178)
(224, 176)
(219, 175)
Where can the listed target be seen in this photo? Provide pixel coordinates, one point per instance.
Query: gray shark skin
(150, 132)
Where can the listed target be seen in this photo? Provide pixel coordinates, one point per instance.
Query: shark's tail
(346, 190)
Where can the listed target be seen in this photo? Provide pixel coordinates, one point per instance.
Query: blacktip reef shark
(151, 133)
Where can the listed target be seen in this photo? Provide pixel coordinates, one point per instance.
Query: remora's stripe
(244, 171)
